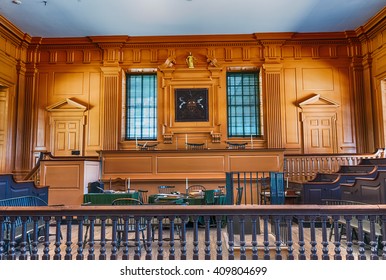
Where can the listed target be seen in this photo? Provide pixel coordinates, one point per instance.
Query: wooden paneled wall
(344, 68)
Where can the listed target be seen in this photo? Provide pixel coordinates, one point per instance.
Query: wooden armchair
(195, 188)
(147, 147)
(236, 146)
(166, 189)
(195, 146)
(116, 184)
(127, 224)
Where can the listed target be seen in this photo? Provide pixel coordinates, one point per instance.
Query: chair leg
(143, 239)
(85, 236)
(331, 231)
(29, 242)
(119, 239)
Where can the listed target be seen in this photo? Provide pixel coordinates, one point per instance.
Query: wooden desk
(68, 178)
(106, 198)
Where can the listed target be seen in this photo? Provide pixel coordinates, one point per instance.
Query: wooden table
(218, 200)
(183, 199)
(107, 198)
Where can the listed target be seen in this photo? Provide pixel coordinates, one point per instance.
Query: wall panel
(68, 83)
(292, 129)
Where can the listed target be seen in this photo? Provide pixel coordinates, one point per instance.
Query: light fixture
(17, 2)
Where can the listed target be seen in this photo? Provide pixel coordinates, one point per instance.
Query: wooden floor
(167, 249)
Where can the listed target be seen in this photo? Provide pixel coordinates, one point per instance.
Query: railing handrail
(280, 217)
(154, 210)
(303, 167)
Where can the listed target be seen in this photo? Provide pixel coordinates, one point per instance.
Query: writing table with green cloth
(102, 199)
(167, 199)
(218, 200)
(183, 199)
(107, 198)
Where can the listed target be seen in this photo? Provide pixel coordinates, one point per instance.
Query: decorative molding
(67, 105)
(168, 138)
(317, 100)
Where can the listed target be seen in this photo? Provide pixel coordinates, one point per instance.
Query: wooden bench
(356, 226)
(13, 226)
(9, 188)
(329, 186)
(371, 190)
(372, 161)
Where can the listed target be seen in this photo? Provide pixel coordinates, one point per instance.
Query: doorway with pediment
(67, 121)
(318, 116)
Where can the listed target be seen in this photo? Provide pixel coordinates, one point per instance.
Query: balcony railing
(194, 232)
(304, 167)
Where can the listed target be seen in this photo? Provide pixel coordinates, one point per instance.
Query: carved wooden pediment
(317, 101)
(67, 105)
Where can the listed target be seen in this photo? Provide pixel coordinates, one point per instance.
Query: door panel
(67, 137)
(318, 134)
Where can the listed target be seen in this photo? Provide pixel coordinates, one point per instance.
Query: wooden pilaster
(272, 81)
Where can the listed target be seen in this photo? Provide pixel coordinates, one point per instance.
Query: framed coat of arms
(191, 105)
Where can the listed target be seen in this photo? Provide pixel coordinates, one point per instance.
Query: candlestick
(128, 184)
(251, 142)
(136, 142)
(186, 185)
(186, 138)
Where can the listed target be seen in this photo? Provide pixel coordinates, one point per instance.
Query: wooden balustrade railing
(206, 232)
(304, 167)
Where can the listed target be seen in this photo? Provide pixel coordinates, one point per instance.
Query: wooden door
(67, 137)
(319, 134)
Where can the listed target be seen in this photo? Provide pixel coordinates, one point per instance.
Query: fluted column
(272, 82)
(359, 104)
(25, 120)
(111, 110)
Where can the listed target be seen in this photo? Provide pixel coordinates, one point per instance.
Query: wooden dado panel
(257, 162)
(178, 164)
(126, 164)
(68, 179)
(55, 179)
(191, 164)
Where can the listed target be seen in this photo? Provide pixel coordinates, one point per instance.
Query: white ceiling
(77, 18)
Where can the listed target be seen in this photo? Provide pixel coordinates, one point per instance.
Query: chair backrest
(142, 195)
(165, 189)
(239, 195)
(131, 220)
(195, 146)
(236, 146)
(147, 147)
(126, 201)
(196, 188)
(209, 197)
(116, 184)
(221, 190)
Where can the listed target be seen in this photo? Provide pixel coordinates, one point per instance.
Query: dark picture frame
(191, 105)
